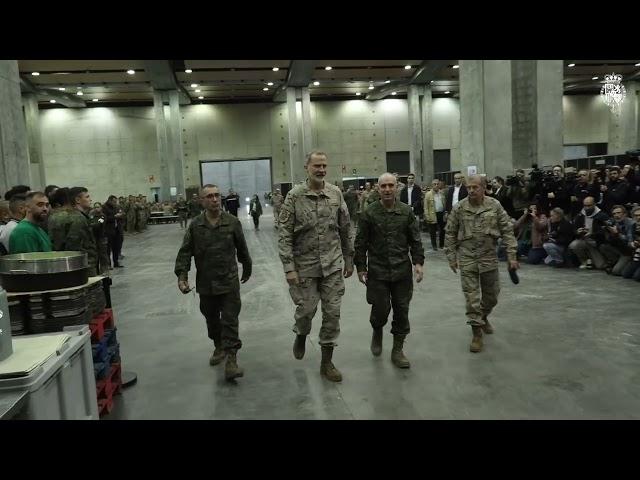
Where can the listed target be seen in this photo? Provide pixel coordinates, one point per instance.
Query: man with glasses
(214, 238)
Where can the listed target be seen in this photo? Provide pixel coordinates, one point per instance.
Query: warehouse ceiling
(130, 82)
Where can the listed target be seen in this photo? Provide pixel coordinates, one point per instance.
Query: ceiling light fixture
(35, 74)
(407, 67)
(188, 70)
(198, 90)
(131, 72)
(194, 85)
(62, 89)
(52, 101)
(394, 93)
(358, 94)
(79, 94)
(79, 88)
(328, 68)
(456, 66)
(316, 83)
(270, 84)
(371, 87)
(637, 65)
(95, 100)
(571, 65)
(265, 89)
(447, 92)
(387, 81)
(275, 69)
(200, 97)
(594, 78)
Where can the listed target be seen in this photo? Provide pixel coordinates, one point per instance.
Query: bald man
(473, 229)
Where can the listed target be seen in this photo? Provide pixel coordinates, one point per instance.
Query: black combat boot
(218, 353)
(397, 355)
(298, 346)
(231, 369)
(476, 341)
(327, 369)
(487, 328)
(376, 342)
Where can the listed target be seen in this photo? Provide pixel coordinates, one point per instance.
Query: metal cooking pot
(37, 271)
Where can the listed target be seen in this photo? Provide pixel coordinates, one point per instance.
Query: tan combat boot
(327, 369)
(298, 346)
(376, 342)
(476, 342)
(397, 356)
(487, 327)
(231, 369)
(218, 353)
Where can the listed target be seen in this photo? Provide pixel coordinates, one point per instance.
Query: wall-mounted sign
(472, 170)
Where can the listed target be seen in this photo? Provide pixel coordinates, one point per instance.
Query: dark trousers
(221, 313)
(382, 296)
(437, 227)
(535, 256)
(114, 246)
(233, 211)
(256, 220)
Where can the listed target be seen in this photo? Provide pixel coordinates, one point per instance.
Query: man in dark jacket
(589, 227)
(501, 193)
(113, 228)
(615, 191)
(413, 190)
(581, 190)
(457, 192)
(232, 203)
(559, 237)
(214, 238)
(387, 234)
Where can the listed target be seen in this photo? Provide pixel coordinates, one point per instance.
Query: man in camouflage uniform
(387, 233)
(141, 212)
(277, 200)
(473, 228)
(194, 206)
(71, 230)
(315, 236)
(213, 238)
(351, 199)
(132, 215)
(183, 211)
(374, 196)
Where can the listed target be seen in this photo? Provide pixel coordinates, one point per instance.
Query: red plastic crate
(100, 323)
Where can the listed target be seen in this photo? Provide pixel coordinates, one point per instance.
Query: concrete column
(295, 157)
(161, 137)
(485, 116)
(307, 135)
(34, 140)
(537, 112)
(426, 106)
(415, 126)
(14, 151)
(623, 126)
(177, 151)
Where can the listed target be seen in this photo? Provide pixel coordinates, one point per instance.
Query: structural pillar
(415, 125)
(295, 157)
(34, 140)
(177, 150)
(161, 137)
(624, 131)
(426, 106)
(14, 151)
(307, 135)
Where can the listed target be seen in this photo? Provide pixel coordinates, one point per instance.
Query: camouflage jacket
(315, 231)
(214, 249)
(194, 207)
(71, 231)
(472, 232)
(277, 200)
(387, 237)
(351, 199)
(182, 207)
(374, 196)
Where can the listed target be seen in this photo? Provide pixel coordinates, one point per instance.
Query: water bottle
(6, 346)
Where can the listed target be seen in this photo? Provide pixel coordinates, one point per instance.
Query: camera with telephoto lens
(512, 181)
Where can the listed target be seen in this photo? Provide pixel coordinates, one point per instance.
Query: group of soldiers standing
(137, 212)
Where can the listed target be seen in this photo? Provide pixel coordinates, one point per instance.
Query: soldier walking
(387, 234)
(183, 211)
(277, 200)
(473, 228)
(315, 243)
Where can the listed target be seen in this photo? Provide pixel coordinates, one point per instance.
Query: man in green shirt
(28, 236)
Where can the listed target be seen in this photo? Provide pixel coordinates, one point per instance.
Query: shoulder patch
(284, 216)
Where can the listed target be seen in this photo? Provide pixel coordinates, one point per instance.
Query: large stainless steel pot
(37, 271)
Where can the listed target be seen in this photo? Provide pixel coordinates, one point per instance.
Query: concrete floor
(567, 346)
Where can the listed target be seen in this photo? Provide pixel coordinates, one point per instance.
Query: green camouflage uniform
(351, 199)
(388, 237)
(141, 213)
(183, 212)
(132, 217)
(195, 208)
(71, 231)
(214, 249)
(57, 227)
(471, 238)
(374, 196)
(315, 236)
(277, 200)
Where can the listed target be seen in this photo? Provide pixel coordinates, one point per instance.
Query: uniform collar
(395, 209)
(307, 190)
(201, 220)
(486, 205)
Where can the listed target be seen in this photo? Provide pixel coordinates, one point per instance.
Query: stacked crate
(106, 360)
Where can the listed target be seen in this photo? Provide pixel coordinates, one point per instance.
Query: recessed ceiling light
(316, 83)
(200, 97)
(594, 78)
(328, 68)
(637, 64)
(456, 66)
(407, 67)
(447, 92)
(131, 72)
(194, 85)
(571, 65)
(431, 81)
(265, 89)
(95, 100)
(394, 93)
(80, 93)
(270, 84)
(371, 87)
(387, 81)
(198, 90)
(188, 70)
(358, 93)
(35, 74)
(62, 89)
(52, 101)
(79, 88)
(275, 69)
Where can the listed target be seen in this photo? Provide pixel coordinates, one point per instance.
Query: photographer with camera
(554, 191)
(615, 191)
(583, 188)
(559, 236)
(616, 249)
(632, 270)
(518, 190)
(589, 227)
(501, 193)
(536, 222)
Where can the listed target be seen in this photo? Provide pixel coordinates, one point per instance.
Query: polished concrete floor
(566, 346)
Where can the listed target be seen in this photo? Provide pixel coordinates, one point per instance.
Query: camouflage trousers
(183, 219)
(480, 292)
(221, 313)
(306, 295)
(382, 296)
(276, 215)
